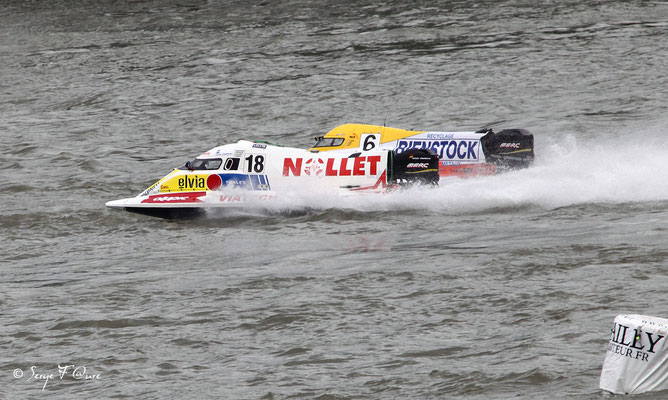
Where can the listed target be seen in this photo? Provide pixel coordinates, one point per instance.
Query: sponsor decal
(358, 166)
(231, 198)
(446, 149)
(466, 170)
(509, 146)
(259, 182)
(194, 182)
(314, 167)
(417, 165)
(245, 182)
(213, 182)
(151, 189)
(632, 342)
(259, 146)
(415, 157)
(183, 183)
(175, 198)
(450, 163)
(171, 198)
(198, 182)
(440, 136)
(235, 198)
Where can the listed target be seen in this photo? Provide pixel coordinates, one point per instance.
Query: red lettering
(290, 166)
(358, 167)
(294, 166)
(344, 171)
(373, 161)
(330, 171)
(382, 181)
(231, 199)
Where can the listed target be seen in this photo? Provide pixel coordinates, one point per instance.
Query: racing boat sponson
(352, 158)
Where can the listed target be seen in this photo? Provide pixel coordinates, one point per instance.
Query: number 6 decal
(369, 142)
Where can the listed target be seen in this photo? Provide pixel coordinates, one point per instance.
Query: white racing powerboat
(352, 158)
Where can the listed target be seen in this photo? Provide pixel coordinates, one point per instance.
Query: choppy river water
(495, 287)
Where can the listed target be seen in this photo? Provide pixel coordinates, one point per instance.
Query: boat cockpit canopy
(200, 164)
(328, 142)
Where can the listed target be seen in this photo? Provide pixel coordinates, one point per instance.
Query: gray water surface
(497, 287)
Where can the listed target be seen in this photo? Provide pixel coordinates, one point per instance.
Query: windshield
(328, 142)
(202, 164)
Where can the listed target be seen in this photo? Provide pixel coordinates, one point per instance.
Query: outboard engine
(511, 148)
(414, 166)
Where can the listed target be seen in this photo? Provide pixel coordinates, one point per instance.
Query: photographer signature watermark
(70, 371)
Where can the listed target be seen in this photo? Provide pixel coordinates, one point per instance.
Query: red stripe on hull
(171, 198)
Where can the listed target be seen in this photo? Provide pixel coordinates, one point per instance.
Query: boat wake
(568, 171)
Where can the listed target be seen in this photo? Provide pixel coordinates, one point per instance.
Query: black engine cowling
(414, 166)
(510, 148)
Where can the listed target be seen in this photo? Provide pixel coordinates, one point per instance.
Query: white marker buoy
(637, 356)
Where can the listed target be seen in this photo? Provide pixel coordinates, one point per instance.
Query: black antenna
(385, 120)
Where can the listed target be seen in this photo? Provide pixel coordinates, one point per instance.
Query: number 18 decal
(254, 163)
